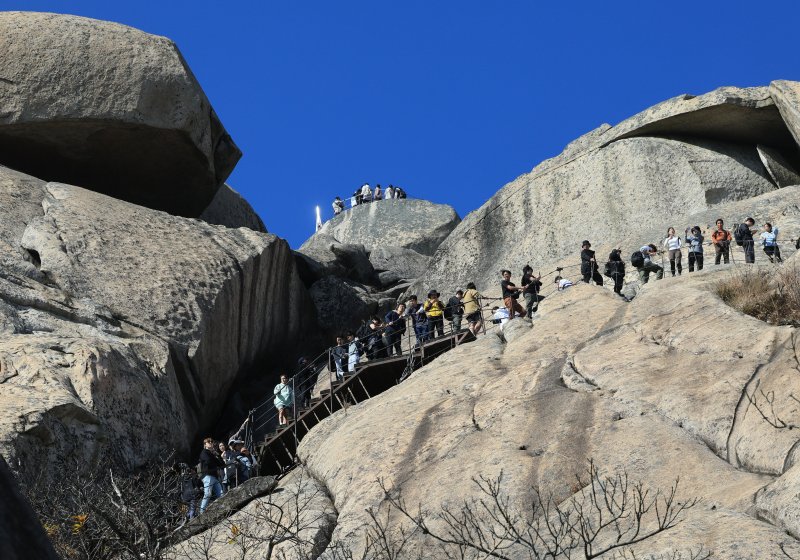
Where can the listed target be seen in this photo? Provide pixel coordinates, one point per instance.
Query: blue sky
(451, 100)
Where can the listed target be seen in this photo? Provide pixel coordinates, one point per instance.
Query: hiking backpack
(737, 235)
(637, 259)
(607, 271)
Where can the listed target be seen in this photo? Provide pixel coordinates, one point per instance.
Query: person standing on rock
(389, 193)
(472, 308)
(284, 399)
(339, 353)
(378, 193)
(615, 269)
(769, 239)
(454, 310)
(695, 241)
(210, 465)
(366, 193)
(395, 328)
(531, 285)
(357, 196)
(434, 309)
(721, 238)
(338, 206)
(354, 351)
(589, 265)
(673, 244)
(744, 238)
(647, 265)
(510, 294)
(229, 471)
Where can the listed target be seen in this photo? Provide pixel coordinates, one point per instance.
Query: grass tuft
(773, 297)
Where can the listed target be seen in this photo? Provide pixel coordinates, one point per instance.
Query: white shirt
(563, 284)
(769, 238)
(389, 193)
(673, 243)
(366, 191)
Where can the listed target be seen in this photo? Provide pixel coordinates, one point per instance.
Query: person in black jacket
(210, 465)
(589, 265)
(191, 489)
(395, 328)
(744, 237)
(616, 270)
(531, 285)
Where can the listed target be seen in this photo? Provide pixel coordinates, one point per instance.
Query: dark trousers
(773, 253)
(749, 251)
(436, 323)
(596, 276)
(698, 258)
(618, 280)
(721, 251)
(393, 340)
(532, 302)
(421, 332)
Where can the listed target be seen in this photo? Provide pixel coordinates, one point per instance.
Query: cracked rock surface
(655, 387)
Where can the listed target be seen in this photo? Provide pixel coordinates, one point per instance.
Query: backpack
(452, 308)
(608, 270)
(737, 235)
(637, 259)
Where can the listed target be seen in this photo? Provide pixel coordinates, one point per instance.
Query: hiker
(769, 240)
(510, 294)
(306, 379)
(589, 265)
(389, 193)
(673, 244)
(500, 316)
(246, 464)
(339, 353)
(378, 195)
(695, 241)
(721, 238)
(284, 399)
(210, 465)
(338, 206)
(366, 193)
(744, 239)
(531, 285)
(434, 309)
(373, 340)
(357, 197)
(454, 310)
(395, 329)
(191, 489)
(642, 261)
(563, 283)
(615, 269)
(227, 455)
(399, 192)
(472, 308)
(418, 319)
(354, 351)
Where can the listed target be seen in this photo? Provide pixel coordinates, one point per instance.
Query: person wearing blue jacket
(694, 239)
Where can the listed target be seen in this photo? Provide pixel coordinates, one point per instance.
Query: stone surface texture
(406, 264)
(786, 95)
(649, 387)
(111, 108)
(123, 328)
(409, 223)
(230, 209)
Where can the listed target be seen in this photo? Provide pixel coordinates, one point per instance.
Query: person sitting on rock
(338, 206)
(721, 238)
(339, 353)
(531, 285)
(562, 283)
(434, 309)
(769, 239)
(210, 466)
(389, 192)
(510, 294)
(284, 399)
(366, 193)
(615, 269)
(454, 310)
(354, 351)
(472, 308)
(694, 239)
(500, 316)
(589, 265)
(648, 266)
(378, 194)
(395, 328)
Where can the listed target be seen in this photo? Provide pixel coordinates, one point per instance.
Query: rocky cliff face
(681, 157)
(124, 327)
(655, 388)
(143, 131)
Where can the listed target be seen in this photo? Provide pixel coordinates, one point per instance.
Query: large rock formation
(656, 388)
(230, 209)
(409, 223)
(123, 328)
(110, 108)
(683, 156)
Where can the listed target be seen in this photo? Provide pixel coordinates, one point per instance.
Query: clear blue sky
(451, 99)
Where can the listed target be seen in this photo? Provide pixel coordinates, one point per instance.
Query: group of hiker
(365, 194)
(221, 467)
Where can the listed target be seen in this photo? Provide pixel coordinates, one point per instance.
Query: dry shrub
(768, 295)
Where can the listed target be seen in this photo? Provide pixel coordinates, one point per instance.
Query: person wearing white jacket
(673, 244)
